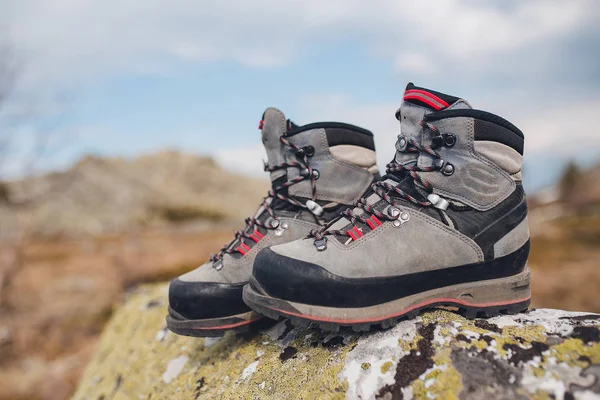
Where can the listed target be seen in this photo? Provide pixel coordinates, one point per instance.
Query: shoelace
(383, 189)
(306, 172)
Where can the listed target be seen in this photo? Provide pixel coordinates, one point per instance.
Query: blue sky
(126, 77)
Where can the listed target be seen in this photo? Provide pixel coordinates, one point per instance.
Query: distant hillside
(576, 186)
(100, 195)
(564, 222)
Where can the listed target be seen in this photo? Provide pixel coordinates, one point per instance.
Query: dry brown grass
(60, 301)
(565, 261)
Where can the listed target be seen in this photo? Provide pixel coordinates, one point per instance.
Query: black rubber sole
(214, 327)
(470, 302)
(468, 312)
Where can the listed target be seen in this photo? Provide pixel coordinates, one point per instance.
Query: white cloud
(563, 131)
(68, 40)
(461, 31)
(247, 160)
(417, 63)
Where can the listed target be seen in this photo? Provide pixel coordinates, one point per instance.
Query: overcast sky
(122, 77)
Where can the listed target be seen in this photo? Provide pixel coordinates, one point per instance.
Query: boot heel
(494, 297)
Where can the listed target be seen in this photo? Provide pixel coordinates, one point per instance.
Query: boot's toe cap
(203, 300)
(295, 280)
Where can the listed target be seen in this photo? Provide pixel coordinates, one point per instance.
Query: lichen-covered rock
(542, 354)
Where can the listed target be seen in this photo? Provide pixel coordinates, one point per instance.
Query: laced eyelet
(218, 265)
(401, 143)
(449, 139)
(445, 139)
(448, 169)
(315, 173)
(321, 244)
(282, 228)
(444, 166)
(307, 151)
(403, 218)
(393, 212)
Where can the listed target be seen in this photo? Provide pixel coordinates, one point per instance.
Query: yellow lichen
(134, 353)
(433, 374)
(528, 333)
(442, 316)
(447, 382)
(537, 371)
(541, 395)
(408, 345)
(574, 351)
(479, 344)
(130, 362)
(418, 389)
(385, 367)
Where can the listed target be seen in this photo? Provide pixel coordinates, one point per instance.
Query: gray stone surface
(541, 354)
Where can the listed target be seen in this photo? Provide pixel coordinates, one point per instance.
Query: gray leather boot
(317, 170)
(447, 226)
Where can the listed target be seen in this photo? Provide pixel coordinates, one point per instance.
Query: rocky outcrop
(106, 195)
(541, 354)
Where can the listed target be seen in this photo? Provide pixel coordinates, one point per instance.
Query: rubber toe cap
(294, 280)
(202, 300)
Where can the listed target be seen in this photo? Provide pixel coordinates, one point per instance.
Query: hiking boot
(316, 171)
(447, 226)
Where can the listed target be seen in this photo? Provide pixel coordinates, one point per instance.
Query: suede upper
(237, 269)
(455, 200)
(214, 289)
(416, 245)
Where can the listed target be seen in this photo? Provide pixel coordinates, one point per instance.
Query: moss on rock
(539, 354)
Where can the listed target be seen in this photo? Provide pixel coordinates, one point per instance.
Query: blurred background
(125, 127)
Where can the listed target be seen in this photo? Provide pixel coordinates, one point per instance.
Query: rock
(100, 195)
(541, 354)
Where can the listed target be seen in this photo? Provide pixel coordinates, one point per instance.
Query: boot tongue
(416, 104)
(273, 125)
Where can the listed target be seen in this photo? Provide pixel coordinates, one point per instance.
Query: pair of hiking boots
(445, 226)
